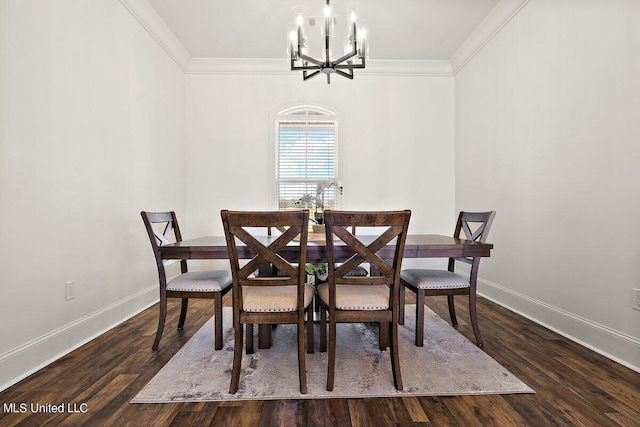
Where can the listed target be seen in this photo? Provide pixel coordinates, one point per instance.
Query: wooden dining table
(416, 246)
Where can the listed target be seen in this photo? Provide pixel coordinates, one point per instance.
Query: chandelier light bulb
(300, 20)
(327, 11)
(362, 49)
(353, 17)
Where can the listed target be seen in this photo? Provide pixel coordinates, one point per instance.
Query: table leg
(264, 336)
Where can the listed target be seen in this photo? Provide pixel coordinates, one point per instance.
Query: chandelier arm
(306, 76)
(343, 74)
(344, 58)
(348, 66)
(310, 59)
(305, 67)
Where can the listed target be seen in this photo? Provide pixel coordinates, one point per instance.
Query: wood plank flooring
(574, 386)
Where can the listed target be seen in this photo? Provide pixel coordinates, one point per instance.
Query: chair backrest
(162, 228)
(237, 226)
(475, 226)
(393, 226)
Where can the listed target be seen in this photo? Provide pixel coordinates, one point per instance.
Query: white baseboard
(20, 362)
(615, 345)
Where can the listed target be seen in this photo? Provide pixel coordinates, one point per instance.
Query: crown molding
(282, 66)
(382, 67)
(155, 26)
(237, 66)
(499, 17)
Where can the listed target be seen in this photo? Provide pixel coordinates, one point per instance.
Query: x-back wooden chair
(280, 299)
(360, 299)
(162, 228)
(429, 282)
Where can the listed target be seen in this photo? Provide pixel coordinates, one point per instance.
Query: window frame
(306, 113)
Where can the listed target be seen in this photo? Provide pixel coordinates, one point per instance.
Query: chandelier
(355, 48)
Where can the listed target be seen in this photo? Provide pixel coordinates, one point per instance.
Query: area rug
(448, 364)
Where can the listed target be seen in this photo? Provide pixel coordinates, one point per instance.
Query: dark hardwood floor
(574, 386)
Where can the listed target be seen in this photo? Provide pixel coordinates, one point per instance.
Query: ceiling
(400, 30)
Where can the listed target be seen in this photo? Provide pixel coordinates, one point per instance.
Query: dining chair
(269, 300)
(429, 282)
(362, 299)
(162, 228)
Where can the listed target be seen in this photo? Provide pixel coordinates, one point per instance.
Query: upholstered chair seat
(359, 271)
(374, 297)
(274, 298)
(434, 279)
(201, 281)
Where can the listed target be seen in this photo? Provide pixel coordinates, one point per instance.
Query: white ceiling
(398, 30)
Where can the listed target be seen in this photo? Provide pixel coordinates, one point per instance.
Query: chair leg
(401, 305)
(323, 328)
(474, 319)
(237, 358)
(316, 300)
(383, 335)
(183, 312)
(162, 316)
(310, 326)
(332, 353)
(302, 369)
(249, 338)
(419, 317)
(217, 312)
(395, 356)
(452, 310)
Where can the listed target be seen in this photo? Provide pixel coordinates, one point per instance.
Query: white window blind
(306, 156)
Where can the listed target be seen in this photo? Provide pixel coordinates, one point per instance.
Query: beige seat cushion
(433, 279)
(360, 297)
(260, 299)
(201, 281)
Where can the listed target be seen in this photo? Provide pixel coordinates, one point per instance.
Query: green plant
(318, 269)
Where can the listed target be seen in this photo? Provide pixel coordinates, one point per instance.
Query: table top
(416, 246)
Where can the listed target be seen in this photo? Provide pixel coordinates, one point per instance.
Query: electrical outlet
(635, 295)
(70, 290)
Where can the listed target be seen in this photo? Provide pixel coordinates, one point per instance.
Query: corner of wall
(500, 16)
(142, 11)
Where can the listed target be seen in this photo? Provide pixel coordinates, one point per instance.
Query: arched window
(306, 158)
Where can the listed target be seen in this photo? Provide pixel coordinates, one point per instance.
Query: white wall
(92, 125)
(396, 145)
(547, 134)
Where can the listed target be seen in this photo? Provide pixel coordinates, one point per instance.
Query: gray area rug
(448, 364)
